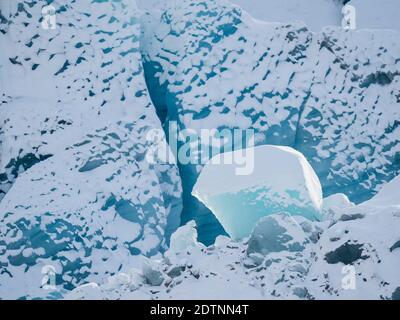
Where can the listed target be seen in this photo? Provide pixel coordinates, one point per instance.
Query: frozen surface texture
(79, 193)
(82, 209)
(333, 95)
(354, 255)
(281, 181)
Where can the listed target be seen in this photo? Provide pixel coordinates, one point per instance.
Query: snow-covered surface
(78, 197)
(282, 181)
(74, 119)
(353, 257)
(388, 196)
(333, 95)
(377, 14)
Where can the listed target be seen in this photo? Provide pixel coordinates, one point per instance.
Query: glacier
(332, 95)
(281, 181)
(78, 193)
(84, 214)
(302, 260)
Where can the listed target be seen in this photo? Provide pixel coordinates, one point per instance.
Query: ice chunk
(88, 291)
(183, 238)
(334, 205)
(276, 233)
(282, 181)
(152, 272)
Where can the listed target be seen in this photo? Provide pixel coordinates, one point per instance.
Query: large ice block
(281, 181)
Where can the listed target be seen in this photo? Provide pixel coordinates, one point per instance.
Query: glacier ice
(78, 193)
(282, 181)
(365, 249)
(78, 197)
(275, 233)
(332, 95)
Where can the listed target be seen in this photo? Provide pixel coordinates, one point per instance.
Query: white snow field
(282, 181)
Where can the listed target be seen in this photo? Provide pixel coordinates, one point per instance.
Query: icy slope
(73, 135)
(354, 256)
(332, 95)
(358, 255)
(281, 181)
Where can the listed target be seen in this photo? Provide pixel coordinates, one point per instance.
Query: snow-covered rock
(281, 181)
(75, 115)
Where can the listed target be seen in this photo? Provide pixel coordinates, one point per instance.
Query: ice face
(282, 181)
(75, 115)
(332, 95)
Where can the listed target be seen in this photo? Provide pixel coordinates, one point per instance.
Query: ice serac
(211, 66)
(281, 181)
(81, 200)
(349, 128)
(332, 95)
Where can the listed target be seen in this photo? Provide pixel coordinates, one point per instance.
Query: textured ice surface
(74, 116)
(282, 181)
(276, 233)
(353, 257)
(360, 252)
(333, 95)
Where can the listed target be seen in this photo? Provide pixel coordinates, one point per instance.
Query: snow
(388, 195)
(277, 233)
(78, 196)
(334, 204)
(377, 14)
(331, 94)
(315, 13)
(73, 143)
(282, 181)
(285, 258)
